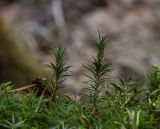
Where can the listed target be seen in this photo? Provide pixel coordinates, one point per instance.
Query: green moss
(16, 65)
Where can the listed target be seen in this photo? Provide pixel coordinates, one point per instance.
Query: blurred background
(29, 28)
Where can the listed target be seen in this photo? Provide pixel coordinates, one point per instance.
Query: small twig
(22, 88)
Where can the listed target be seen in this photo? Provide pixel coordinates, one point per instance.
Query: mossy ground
(27, 111)
(117, 108)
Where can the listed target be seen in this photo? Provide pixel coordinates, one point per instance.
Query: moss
(16, 65)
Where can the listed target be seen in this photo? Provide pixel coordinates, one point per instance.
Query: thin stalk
(98, 69)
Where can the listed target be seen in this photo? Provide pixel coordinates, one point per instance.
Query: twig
(23, 88)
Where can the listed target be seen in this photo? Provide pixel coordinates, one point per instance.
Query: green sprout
(59, 68)
(98, 69)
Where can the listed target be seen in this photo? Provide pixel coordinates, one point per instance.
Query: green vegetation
(122, 105)
(16, 65)
(60, 70)
(98, 69)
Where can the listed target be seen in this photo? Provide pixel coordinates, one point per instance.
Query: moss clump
(16, 65)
